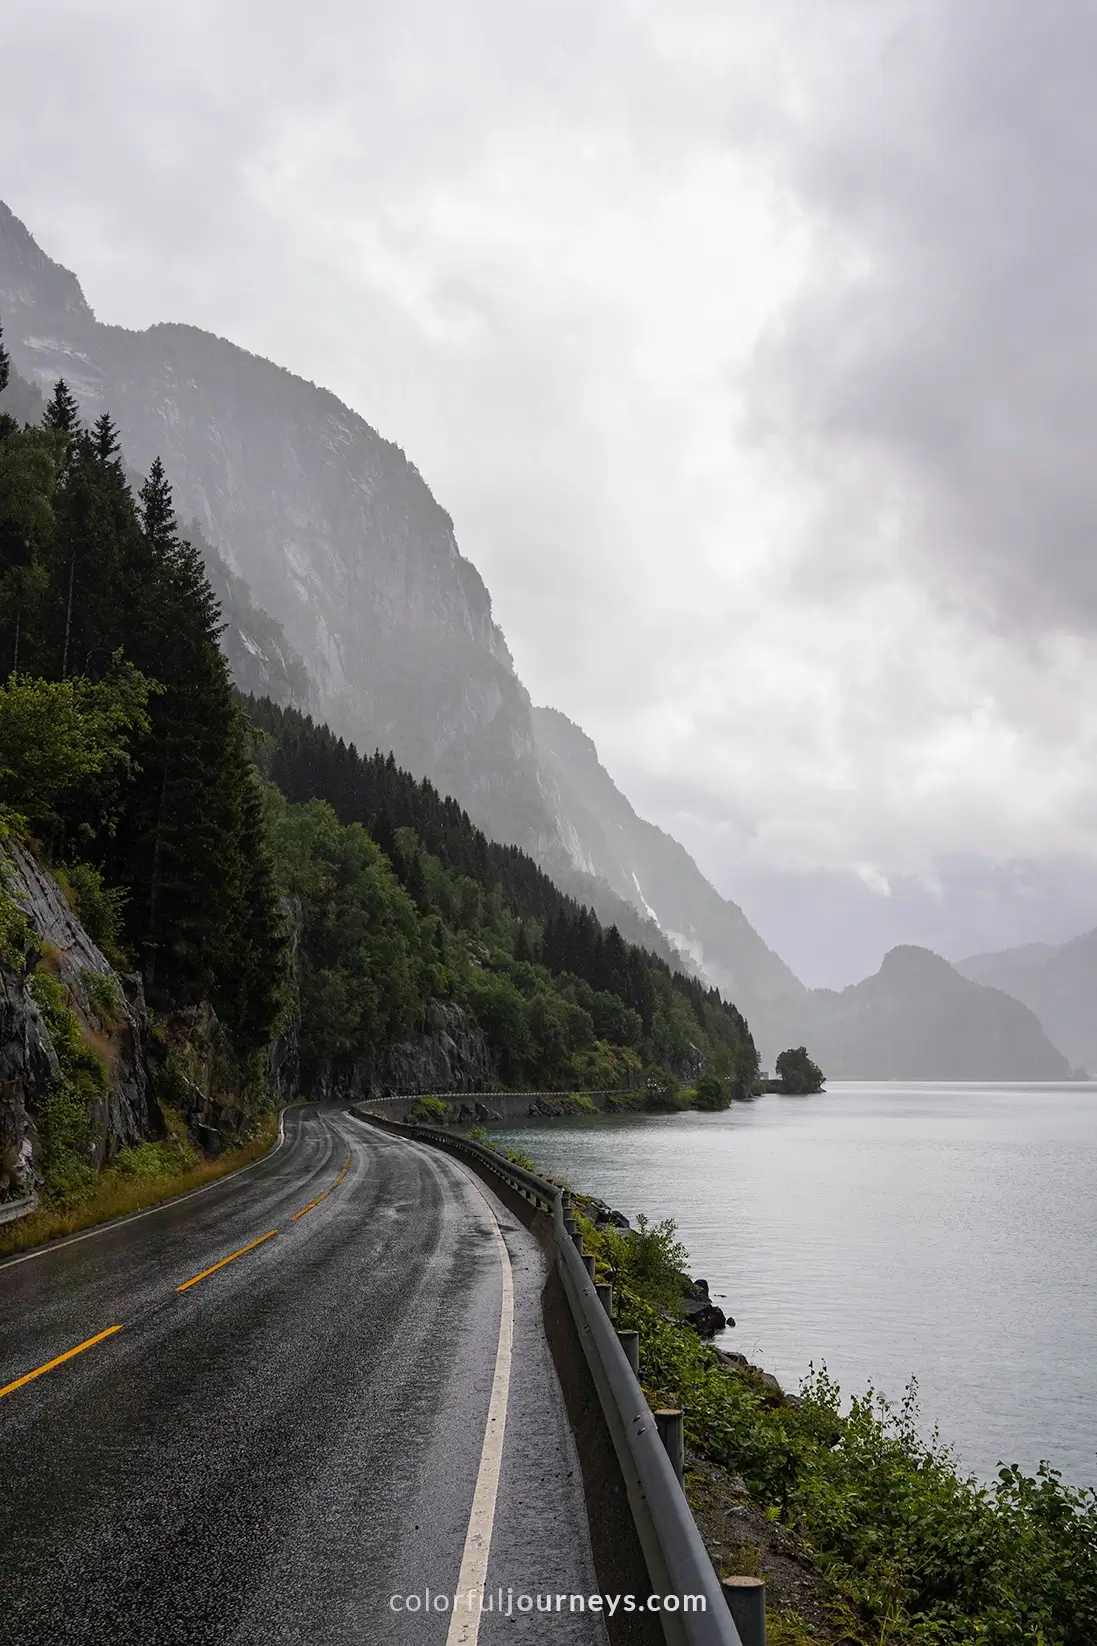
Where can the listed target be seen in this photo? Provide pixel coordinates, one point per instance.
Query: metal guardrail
(15, 1209)
(485, 1097)
(676, 1558)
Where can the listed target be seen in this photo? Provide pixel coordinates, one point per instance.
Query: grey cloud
(453, 216)
(945, 346)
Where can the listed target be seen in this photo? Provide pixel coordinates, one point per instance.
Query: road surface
(271, 1448)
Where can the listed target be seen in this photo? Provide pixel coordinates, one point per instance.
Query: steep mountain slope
(647, 866)
(333, 529)
(918, 1019)
(1057, 981)
(337, 536)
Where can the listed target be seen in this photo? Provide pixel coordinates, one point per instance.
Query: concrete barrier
(508, 1106)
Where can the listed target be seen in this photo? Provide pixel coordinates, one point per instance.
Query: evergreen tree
(62, 412)
(105, 440)
(203, 912)
(28, 480)
(5, 364)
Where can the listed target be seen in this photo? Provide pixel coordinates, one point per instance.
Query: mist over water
(946, 1232)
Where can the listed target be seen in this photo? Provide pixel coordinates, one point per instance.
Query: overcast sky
(753, 350)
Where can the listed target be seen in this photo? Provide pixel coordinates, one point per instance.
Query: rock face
(110, 1010)
(28, 1064)
(451, 1056)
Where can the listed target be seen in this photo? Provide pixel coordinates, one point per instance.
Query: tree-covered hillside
(559, 998)
(248, 863)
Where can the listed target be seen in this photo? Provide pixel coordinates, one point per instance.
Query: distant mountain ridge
(1058, 981)
(919, 1019)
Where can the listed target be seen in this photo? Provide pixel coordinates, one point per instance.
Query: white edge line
(465, 1628)
(132, 1217)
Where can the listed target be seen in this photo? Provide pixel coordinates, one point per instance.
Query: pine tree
(203, 913)
(5, 364)
(62, 413)
(105, 440)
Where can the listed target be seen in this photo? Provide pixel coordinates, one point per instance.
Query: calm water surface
(945, 1232)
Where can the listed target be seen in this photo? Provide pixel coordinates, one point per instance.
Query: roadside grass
(146, 1175)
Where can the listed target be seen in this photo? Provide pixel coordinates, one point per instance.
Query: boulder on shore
(705, 1316)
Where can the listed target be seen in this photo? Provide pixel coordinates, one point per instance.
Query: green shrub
(162, 1158)
(712, 1093)
(797, 1073)
(68, 1181)
(61, 1113)
(99, 908)
(649, 1259)
(102, 991)
(81, 1065)
(432, 1111)
(16, 937)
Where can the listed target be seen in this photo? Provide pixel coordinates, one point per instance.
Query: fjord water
(946, 1232)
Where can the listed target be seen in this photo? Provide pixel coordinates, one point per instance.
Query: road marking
(464, 1625)
(194, 1279)
(324, 1196)
(311, 1204)
(150, 1211)
(28, 1377)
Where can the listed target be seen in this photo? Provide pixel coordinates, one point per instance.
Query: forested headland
(280, 901)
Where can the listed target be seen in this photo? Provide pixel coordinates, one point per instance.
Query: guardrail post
(630, 1342)
(746, 1598)
(570, 1225)
(577, 1236)
(588, 1263)
(668, 1421)
(605, 1296)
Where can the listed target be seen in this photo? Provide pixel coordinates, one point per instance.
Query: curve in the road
(278, 1453)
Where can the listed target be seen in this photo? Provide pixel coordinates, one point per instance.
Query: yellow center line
(324, 1196)
(28, 1377)
(311, 1204)
(194, 1279)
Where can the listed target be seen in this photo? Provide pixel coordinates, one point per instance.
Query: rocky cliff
(61, 1002)
(450, 1055)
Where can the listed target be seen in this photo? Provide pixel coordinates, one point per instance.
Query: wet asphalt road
(271, 1454)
